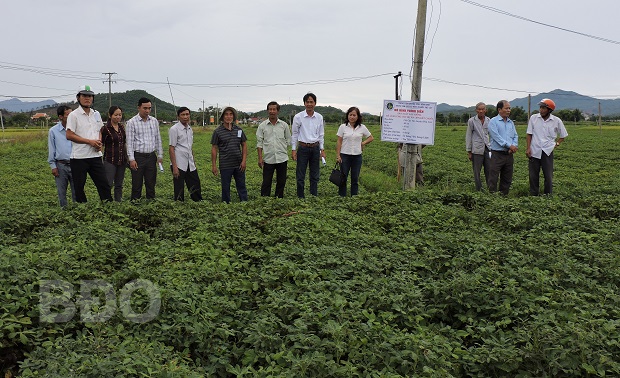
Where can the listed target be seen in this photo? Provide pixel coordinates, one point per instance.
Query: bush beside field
(440, 281)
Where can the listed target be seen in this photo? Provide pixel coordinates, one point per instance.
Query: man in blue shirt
(503, 143)
(59, 154)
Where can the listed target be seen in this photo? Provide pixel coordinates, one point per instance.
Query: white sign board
(410, 122)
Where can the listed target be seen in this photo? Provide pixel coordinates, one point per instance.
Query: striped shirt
(143, 137)
(114, 144)
(229, 144)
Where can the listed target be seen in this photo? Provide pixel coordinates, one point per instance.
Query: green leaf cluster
(436, 282)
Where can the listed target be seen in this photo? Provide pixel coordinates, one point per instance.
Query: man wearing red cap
(542, 131)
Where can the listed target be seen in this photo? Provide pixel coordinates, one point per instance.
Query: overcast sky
(240, 42)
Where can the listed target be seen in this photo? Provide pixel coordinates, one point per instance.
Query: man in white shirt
(307, 141)
(144, 150)
(542, 131)
(181, 138)
(83, 125)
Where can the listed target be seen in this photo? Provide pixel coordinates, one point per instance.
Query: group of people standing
(492, 143)
(80, 145)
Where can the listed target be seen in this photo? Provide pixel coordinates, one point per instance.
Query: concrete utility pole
(109, 81)
(203, 113)
(529, 106)
(413, 150)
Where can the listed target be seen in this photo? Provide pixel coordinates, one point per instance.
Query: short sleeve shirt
(229, 144)
(544, 133)
(352, 138)
(182, 138)
(86, 126)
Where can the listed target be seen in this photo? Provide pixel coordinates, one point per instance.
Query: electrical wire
(47, 69)
(435, 33)
(540, 23)
(33, 86)
(257, 85)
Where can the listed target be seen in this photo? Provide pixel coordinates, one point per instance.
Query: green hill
(329, 113)
(128, 101)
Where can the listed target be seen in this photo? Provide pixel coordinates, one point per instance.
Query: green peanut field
(440, 281)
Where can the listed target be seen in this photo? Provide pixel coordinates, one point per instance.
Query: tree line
(517, 114)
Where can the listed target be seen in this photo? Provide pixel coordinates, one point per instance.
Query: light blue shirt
(58, 146)
(502, 134)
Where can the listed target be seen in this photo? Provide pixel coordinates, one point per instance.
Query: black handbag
(336, 177)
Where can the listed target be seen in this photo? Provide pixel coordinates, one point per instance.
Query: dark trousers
(546, 163)
(308, 156)
(146, 173)
(419, 173)
(95, 169)
(500, 168)
(268, 169)
(353, 164)
(478, 162)
(116, 176)
(239, 175)
(191, 180)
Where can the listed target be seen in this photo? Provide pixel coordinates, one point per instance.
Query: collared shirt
(352, 138)
(544, 133)
(477, 136)
(143, 136)
(502, 134)
(113, 142)
(58, 146)
(308, 129)
(86, 126)
(273, 140)
(181, 137)
(229, 144)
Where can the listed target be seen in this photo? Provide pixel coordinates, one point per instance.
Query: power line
(436, 28)
(49, 73)
(8, 96)
(33, 86)
(508, 89)
(540, 23)
(48, 69)
(256, 85)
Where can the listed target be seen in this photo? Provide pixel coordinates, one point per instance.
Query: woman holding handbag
(349, 148)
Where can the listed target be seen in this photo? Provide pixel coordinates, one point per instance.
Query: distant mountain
(17, 105)
(290, 109)
(446, 108)
(128, 101)
(571, 100)
(563, 100)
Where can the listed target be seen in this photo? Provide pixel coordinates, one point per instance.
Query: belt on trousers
(65, 162)
(143, 153)
(308, 144)
(501, 152)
